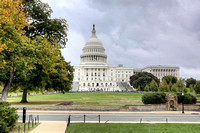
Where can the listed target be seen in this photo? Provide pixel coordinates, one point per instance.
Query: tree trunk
(7, 87)
(24, 96)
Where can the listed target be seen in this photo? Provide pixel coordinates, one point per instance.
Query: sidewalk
(111, 112)
(50, 127)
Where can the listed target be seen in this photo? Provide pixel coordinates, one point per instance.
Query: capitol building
(94, 74)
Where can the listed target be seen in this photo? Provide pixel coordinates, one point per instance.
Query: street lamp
(182, 103)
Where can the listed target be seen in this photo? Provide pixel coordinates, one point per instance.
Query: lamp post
(183, 103)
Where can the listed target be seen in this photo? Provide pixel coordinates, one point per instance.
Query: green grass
(88, 99)
(16, 130)
(85, 99)
(132, 128)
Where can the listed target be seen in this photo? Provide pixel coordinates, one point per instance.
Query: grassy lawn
(89, 99)
(132, 128)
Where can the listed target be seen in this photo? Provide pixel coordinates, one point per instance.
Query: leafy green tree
(41, 23)
(191, 88)
(197, 87)
(153, 86)
(146, 88)
(142, 79)
(61, 80)
(170, 79)
(190, 81)
(15, 49)
(174, 88)
(164, 87)
(139, 89)
(180, 86)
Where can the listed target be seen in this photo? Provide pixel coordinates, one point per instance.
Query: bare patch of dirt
(66, 103)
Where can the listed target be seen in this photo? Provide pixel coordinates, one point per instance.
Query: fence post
(30, 116)
(35, 120)
(166, 120)
(140, 120)
(24, 127)
(19, 129)
(69, 119)
(84, 118)
(32, 122)
(24, 115)
(38, 118)
(99, 118)
(28, 125)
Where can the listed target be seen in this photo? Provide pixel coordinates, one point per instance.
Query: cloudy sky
(136, 33)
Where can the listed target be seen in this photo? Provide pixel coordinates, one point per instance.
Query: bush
(154, 98)
(8, 117)
(186, 98)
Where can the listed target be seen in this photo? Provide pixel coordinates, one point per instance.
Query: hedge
(154, 98)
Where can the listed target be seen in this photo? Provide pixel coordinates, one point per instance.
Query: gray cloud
(136, 33)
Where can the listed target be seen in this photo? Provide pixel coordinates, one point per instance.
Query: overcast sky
(135, 33)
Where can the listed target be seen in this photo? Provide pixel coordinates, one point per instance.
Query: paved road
(117, 117)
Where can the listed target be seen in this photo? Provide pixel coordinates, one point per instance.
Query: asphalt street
(115, 117)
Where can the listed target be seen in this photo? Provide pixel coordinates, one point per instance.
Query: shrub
(154, 98)
(186, 98)
(8, 117)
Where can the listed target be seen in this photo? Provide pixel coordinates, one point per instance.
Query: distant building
(94, 74)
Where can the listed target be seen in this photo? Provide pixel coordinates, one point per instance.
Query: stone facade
(94, 74)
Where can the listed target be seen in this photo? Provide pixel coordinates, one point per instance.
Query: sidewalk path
(50, 127)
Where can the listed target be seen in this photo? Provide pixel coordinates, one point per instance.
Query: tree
(142, 79)
(197, 87)
(42, 24)
(146, 88)
(14, 44)
(153, 86)
(190, 81)
(46, 57)
(170, 79)
(180, 86)
(54, 30)
(164, 87)
(174, 88)
(191, 88)
(139, 89)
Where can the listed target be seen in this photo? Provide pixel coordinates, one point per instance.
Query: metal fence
(32, 121)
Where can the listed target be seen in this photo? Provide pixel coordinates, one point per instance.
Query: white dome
(93, 51)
